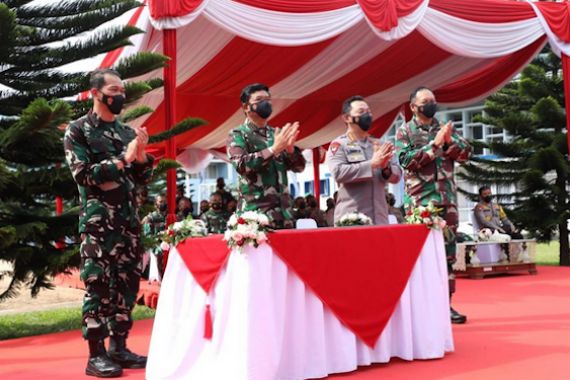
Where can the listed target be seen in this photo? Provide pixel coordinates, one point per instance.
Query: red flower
(241, 221)
(171, 233)
(410, 212)
(240, 242)
(425, 214)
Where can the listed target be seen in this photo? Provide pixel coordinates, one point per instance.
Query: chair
(305, 223)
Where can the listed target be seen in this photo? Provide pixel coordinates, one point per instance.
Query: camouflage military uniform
(156, 222)
(429, 172)
(216, 221)
(262, 176)
(108, 222)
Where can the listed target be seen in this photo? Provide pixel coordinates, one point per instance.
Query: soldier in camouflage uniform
(154, 223)
(216, 218)
(262, 155)
(428, 152)
(107, 159)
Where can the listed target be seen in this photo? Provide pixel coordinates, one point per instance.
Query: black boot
(99, 363)
(121, 355)
(456, 317)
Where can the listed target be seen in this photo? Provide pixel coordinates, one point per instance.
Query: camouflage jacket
(428, 171)
(216, 221)
(107, 194)
(263, 182)
(155, 221)
(491, 215)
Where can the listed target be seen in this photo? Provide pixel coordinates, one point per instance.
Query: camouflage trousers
(451, 216)
(111, 265)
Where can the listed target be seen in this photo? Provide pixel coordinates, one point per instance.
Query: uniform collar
(95, 120)
(255, 129)
(426, 127)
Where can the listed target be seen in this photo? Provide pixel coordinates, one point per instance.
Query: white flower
(164, 246)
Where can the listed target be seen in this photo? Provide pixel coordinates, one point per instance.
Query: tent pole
(169, 48)
(566, 76)
(317, 175)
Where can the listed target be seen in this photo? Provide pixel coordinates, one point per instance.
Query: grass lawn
(548, 253)
(45, 322)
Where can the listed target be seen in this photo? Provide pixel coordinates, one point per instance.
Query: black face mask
(263, 109)
(186, 212)
(428, 110)
(488, 199)
(117, 105)
(364, 121)
(163, 207)
(216, 206)
(391, 202)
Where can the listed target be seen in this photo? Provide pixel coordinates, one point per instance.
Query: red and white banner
(315, 53)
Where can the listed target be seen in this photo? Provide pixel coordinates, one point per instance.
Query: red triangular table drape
(359, 273)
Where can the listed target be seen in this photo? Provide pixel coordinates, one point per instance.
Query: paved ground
(47, 299)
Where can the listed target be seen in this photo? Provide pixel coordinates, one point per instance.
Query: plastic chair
(305, 223)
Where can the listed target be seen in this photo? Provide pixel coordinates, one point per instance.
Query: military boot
(99, 363)
(121, 355)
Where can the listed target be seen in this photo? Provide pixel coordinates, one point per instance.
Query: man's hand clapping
(285, 138)
(383, 153)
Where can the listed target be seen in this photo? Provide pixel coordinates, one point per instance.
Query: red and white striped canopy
(315, 53)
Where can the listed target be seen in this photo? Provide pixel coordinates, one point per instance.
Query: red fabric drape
(213, 92)
(359, 273)
(485, 10)
(384, 14)
(489, 77)
(204, 258)
(172, 8)
(566, 73)
(558, 17)
(299, 6)
(169, 46)
(381, 125)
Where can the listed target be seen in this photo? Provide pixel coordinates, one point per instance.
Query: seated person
(491, 215)
(216, 218)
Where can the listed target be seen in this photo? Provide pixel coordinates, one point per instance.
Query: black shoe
(127, 359)
(102, 366)
(456, 317)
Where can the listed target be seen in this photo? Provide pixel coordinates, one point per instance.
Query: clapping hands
(383, 153)
(285, 138)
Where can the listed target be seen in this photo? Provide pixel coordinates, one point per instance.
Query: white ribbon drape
(477, 39)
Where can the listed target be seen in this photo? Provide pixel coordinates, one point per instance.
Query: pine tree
(530, 109)
(35, 107)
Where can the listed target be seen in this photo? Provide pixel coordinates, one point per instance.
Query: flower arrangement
(428, 215)
(247, 228)
(354, 219)
(179, 231)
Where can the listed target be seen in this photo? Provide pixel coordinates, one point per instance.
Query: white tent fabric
(313, 54)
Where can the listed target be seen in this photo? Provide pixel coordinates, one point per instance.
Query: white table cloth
(267, 325)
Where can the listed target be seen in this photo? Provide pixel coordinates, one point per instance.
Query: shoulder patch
(334, 147)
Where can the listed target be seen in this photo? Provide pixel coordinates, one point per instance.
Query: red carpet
(519, 328)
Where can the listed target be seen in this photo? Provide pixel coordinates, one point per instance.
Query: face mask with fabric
(488, 198)
(364, 121)
(163, 207)
(264, 109)
(216, 206)
(116, 105)
(428, 110)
